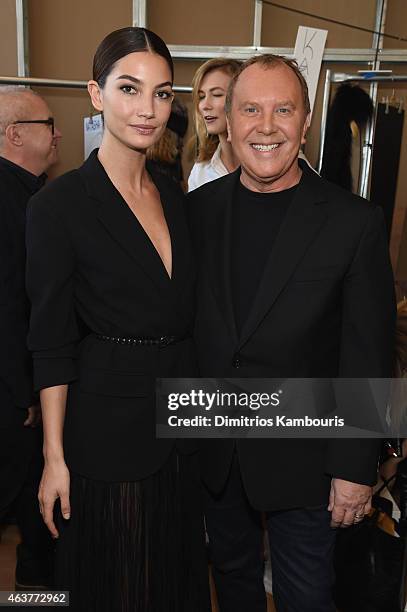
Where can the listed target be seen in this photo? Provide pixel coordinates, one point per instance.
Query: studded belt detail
(143, 341)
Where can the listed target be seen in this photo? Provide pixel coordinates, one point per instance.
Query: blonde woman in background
(215, 156)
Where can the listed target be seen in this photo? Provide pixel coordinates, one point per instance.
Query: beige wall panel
(214, 22)
(64, 35)
(63, 38)
(68, 107)
(280, 27)
(396, 20)
(8, 38)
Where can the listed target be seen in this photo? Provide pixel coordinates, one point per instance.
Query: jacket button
(236, 363)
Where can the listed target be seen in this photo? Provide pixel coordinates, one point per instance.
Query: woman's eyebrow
(129, 78)
(139, 82)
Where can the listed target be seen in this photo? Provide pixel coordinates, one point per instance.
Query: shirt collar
(32, 182)
(216, 162)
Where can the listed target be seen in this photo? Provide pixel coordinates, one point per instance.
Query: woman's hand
(54, 484)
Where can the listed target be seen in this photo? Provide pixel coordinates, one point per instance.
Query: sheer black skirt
(135, 546)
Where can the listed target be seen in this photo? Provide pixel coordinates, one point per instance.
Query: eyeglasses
(50, 121)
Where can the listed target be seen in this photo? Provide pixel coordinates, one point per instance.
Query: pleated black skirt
(135, 546)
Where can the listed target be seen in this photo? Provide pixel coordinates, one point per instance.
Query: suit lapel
(121, 223)
(172, 199)
(303, 221)
(220, 255)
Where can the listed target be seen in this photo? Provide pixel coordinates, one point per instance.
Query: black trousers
(301, 548)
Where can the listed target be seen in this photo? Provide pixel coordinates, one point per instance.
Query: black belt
(144, 341)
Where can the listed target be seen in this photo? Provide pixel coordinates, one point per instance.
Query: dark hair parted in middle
(122, 42)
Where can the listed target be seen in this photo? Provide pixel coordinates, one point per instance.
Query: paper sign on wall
(93, 132)
(309, 50)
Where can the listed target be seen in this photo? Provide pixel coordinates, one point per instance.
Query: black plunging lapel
(123, 225)
(304, 219)
(172, 199)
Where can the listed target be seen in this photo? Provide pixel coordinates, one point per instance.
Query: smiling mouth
(265, 148)
(209, 118)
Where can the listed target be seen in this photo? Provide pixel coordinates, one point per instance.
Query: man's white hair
(14, 106)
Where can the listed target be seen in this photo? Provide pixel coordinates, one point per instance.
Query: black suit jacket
(16, 385)
(17, 443)
(91, 269)
(324, 308)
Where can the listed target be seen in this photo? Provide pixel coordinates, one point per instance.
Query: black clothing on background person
(172, 170)
(20, 447)
(92, 271)
(324, 308)
(16, 389)
(256, 221)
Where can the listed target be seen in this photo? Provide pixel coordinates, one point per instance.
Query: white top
(204, 172)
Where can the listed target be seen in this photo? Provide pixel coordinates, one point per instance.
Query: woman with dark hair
(110, 279)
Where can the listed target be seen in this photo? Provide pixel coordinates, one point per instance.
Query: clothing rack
(367, 149)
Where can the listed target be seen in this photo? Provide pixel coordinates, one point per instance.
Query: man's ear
(305, 129)
(96, 95)
(13, 135)
(229, 139)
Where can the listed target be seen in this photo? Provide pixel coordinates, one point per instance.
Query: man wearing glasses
(28, 147)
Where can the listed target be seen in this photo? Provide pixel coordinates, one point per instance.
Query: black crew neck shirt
(256, 221)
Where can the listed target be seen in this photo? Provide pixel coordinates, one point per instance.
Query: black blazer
(16, 384)
(91, 269)
(324, 308)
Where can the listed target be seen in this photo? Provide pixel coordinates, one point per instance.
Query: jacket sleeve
(50, 272)
(367, 342)
(15, 358)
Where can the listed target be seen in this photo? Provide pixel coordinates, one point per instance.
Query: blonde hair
(203, 144)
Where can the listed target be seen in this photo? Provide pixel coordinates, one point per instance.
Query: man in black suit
(28, 147)
(294, 282)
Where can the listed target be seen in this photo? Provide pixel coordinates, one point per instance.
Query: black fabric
(17, 185)
(370, 564)
(325, 308)
(301, 549)
(256, 222)
(351, 103)
(20, 446)
(91, 266)
(386, 159)
(135, 546)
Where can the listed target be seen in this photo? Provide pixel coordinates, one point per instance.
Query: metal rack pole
(258, 13)
(325, 109)
(140, 13)
(28, 81)
(367, 149)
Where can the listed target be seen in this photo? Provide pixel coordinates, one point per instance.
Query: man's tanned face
(267, 125)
